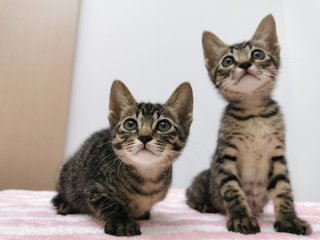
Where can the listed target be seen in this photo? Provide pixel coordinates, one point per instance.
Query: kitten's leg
(198, 194)
(112, 211)
(240, 217)
(62, 206)
(280, 190)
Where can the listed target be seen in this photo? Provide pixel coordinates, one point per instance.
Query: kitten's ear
(120, 100)
(213, 49)
(181, 101)
(266, 34)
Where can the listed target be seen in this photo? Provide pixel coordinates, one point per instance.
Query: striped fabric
(29, 215)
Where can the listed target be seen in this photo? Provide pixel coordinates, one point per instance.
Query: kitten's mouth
(246, 75)
(145, 150)
(247, 82)
(146, 156)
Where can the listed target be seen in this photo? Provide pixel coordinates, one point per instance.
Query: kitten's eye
(258, 54)
(164, 125)
(228, 61)
(130, 124)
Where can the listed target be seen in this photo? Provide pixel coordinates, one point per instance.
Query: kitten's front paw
(62, 206)
(245, 225)
(293, 224)
(122, 227)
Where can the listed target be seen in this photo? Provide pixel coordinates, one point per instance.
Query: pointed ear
(266, 35)
(120, 100)
(181, 101)
(213, 49)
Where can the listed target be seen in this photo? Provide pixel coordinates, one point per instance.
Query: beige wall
(37, 42)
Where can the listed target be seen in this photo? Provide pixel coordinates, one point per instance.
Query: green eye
(130, 124)
(228, 61)
(258, 54)
(164, 125)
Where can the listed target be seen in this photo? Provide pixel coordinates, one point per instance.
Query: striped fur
(119, 173)
(249, 164)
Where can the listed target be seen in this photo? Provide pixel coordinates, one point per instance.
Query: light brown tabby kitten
(249, 164)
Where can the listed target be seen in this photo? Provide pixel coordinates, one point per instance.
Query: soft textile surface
(29, 215)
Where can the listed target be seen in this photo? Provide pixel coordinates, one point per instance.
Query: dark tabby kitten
(119, 173)
(249, 164)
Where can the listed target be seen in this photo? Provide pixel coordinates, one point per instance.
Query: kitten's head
(245, 69)
(146, 133)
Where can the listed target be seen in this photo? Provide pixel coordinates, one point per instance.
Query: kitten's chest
(255, 150)
(141, 203)
(258, 137)
(256, 146)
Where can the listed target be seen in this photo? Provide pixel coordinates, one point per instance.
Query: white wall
(154, 45)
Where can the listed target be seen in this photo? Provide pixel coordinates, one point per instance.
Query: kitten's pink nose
(145, 139)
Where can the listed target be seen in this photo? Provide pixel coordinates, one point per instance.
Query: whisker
(226, 84)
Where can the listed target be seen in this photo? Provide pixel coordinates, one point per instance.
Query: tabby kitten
(119, 173)
(249, 164)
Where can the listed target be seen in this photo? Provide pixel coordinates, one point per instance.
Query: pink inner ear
(247, 84)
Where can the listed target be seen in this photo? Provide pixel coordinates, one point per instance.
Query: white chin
(247, 84)
(145, 157)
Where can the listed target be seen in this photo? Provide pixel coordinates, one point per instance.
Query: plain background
(153, 46)
(37, 43)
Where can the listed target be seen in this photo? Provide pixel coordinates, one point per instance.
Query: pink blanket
(29, 215)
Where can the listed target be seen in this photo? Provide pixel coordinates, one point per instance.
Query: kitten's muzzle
(244, 73)
(146, 148)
